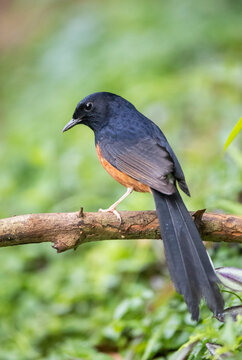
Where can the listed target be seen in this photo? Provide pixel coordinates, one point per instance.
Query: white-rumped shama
(135, 152)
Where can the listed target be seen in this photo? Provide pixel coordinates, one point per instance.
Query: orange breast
(122, 178)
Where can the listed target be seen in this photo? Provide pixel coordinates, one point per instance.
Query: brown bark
(68, 230)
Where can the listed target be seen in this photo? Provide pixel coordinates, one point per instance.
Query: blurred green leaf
(235, 131)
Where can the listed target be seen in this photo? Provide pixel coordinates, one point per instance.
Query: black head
(96, 109)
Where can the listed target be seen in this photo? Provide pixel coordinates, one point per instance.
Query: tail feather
(188, 262)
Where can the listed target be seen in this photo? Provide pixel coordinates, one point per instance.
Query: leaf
(233, 133)
(212, 348)
(153, 344)
(233, 312)
(128, 305)
(231, 277)
(184, 351)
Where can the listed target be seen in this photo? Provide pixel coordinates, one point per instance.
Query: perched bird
(136, 153)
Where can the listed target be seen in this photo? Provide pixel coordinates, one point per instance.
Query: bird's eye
(88, 106)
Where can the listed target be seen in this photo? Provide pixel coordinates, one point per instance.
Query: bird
(136, 153)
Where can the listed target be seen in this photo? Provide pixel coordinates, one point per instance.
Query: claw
(114, 211)
(112, 208)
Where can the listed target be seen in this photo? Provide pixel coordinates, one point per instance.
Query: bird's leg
(112, 208)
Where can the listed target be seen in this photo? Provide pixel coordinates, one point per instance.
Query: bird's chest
(119, 176)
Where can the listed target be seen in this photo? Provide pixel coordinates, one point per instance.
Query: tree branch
(68, 230)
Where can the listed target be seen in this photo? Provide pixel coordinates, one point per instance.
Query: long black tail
(188, 262)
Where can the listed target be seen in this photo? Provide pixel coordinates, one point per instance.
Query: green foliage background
(180, 64)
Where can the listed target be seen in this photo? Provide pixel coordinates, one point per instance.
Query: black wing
(178, 173)
(144, 160)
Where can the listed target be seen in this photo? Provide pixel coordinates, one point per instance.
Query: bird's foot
(112, 210)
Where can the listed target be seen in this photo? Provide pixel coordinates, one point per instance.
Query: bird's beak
(70, 124)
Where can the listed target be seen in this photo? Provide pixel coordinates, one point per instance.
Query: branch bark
(69, 230)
